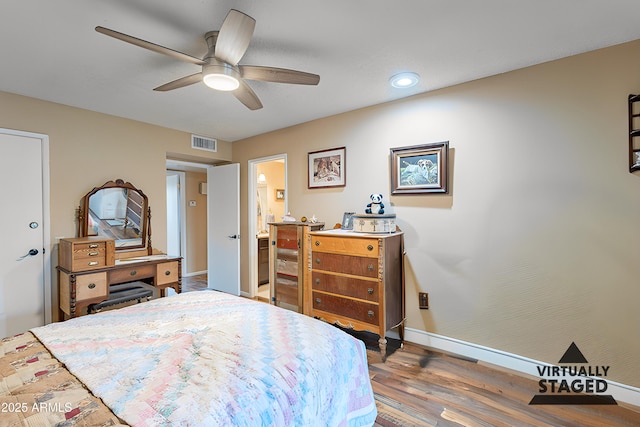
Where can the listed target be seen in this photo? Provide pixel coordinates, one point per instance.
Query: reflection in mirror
(119, 211)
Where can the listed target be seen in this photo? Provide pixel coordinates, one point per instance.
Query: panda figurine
(376, 200)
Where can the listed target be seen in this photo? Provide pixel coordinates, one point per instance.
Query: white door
(22, 261)
(223, 225)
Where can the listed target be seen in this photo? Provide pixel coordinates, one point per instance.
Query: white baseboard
(194, 273)
(620, 392)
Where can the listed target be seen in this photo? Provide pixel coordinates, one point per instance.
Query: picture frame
(420, 169)
(279, 193)
(327, 168)
(347, 220)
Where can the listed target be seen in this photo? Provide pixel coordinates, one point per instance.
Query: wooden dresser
(87, 268)
(286, 262)
(356, 281)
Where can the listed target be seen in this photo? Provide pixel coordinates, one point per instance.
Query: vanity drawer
(90, 286)
(348, 286)
(137, 272)
(349, 308)
(354, 265)
(167, 272)
(353, 246)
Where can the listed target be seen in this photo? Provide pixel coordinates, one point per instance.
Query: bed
(195, 359)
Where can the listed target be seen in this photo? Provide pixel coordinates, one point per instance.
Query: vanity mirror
(119, 211)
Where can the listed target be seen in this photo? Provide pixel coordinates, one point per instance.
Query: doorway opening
(187, 216)
(268, 202)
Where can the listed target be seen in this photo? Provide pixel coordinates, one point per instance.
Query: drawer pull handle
(91, 285)
(317, 243)
(370, 267)
(370, 291)
(93, 263)
(133, 273)
(94, 253)
(317, 281)
(93, 245)
(370, 247)
(318, 301)
(370, 313)
(317, 260)
(167, 273)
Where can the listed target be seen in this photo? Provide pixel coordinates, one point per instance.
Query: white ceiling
(50, 50)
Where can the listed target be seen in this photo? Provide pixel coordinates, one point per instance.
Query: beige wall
(536, 245)
(196, 223)
(88, 149)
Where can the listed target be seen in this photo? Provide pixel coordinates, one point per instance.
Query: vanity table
(81, 288)
(112, 259)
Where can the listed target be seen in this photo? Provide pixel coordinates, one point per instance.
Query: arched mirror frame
(145, 220)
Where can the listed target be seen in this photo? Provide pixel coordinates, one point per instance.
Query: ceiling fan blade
(234, 36)
(151, 46)
(181, 82)
(278, 75)
(247, 96)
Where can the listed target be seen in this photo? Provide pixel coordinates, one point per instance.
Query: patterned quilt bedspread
(211, 359)
(37, 391)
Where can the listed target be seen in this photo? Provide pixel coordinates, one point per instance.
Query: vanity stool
(124, 292)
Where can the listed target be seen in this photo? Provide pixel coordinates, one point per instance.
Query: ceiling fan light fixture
(404, 80)
(221, 82)
(221, 77)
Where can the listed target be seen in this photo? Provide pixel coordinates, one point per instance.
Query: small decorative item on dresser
(375, 204)
(374, 223)
(347, 220)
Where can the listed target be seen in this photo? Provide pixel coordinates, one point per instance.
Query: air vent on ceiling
(202, 143)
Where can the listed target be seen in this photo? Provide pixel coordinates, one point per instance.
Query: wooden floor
(417, 386)
(420, 387)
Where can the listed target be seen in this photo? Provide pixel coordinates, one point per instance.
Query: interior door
(223, 225)
(22, 261)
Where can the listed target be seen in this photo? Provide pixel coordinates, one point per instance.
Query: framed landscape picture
(327, 168)
(420, 169)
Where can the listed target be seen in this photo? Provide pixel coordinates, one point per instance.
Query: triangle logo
(573, 355)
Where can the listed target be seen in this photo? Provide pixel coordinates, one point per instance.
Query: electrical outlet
(423, 300)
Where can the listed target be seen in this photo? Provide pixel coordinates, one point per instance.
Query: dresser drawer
(287, 238)
(131, 274)
(90, 286)
(348, 286)
(347, 264)
(349, 308)
(167, 272)
(352, 246)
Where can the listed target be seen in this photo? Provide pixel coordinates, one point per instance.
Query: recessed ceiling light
(404, 80)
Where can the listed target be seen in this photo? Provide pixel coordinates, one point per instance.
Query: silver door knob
(32, 252)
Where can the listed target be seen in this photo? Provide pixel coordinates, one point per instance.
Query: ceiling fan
(220, 69)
